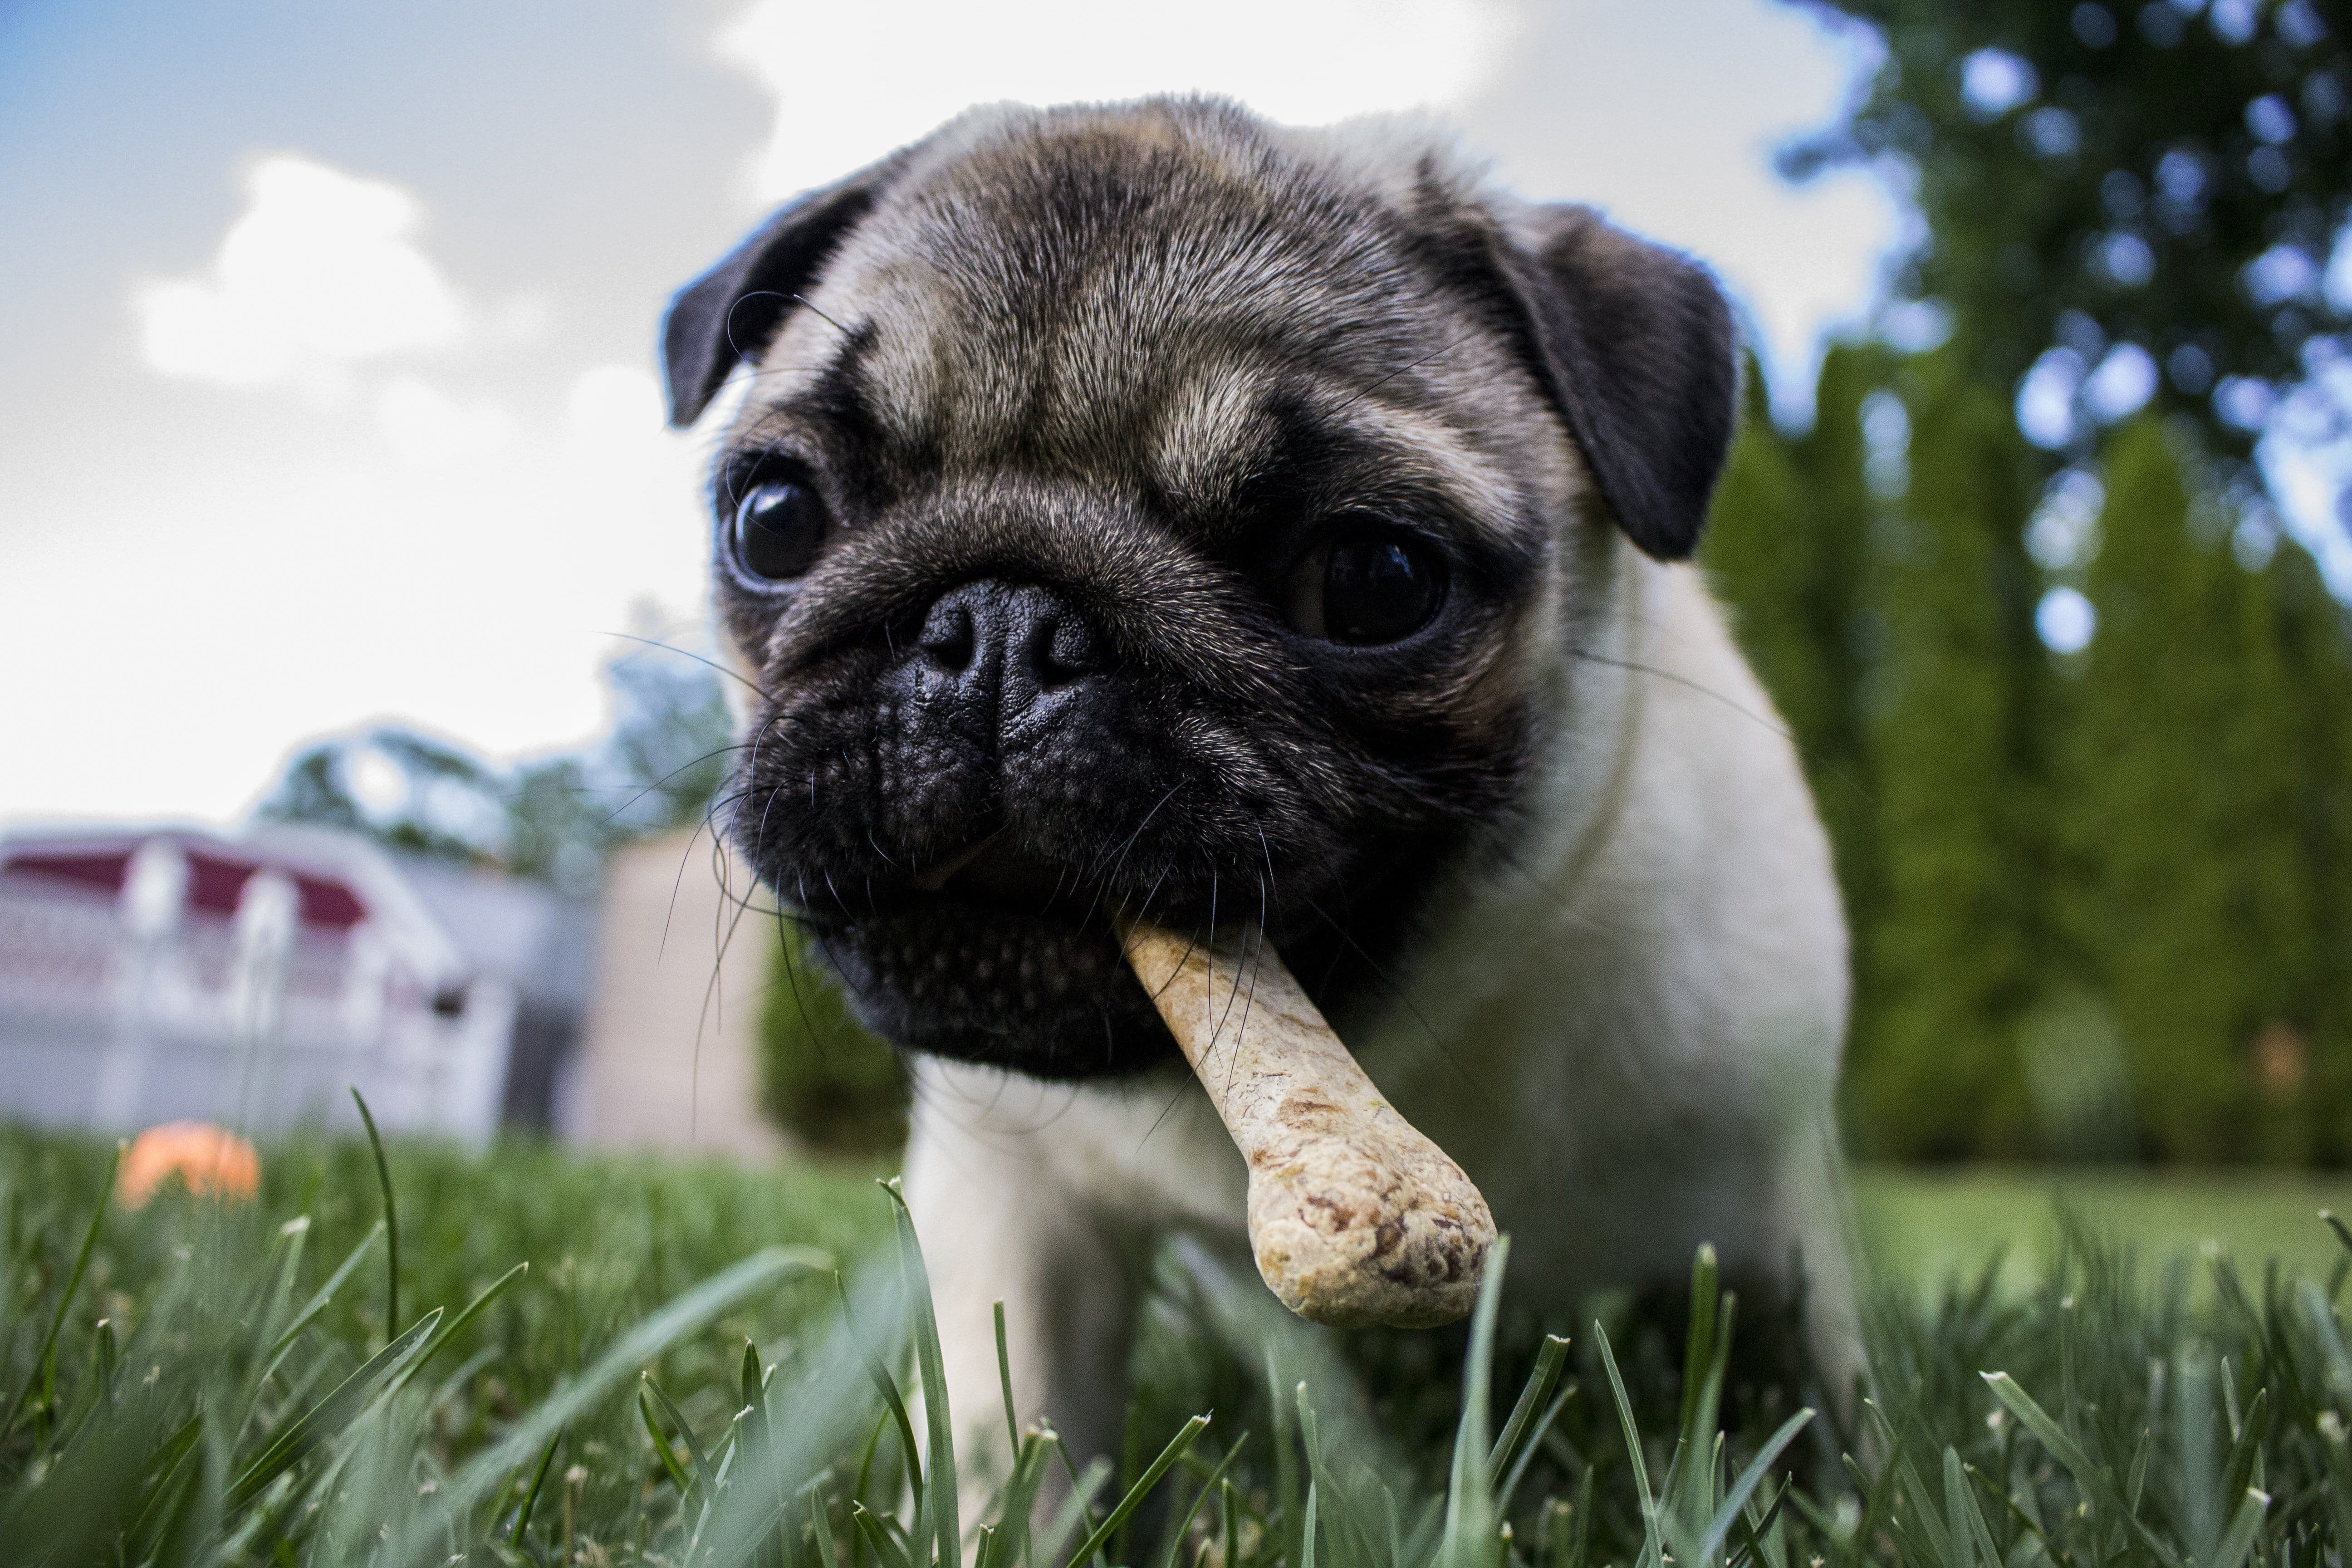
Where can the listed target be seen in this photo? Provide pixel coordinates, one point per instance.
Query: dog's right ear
(734, 311)
(1633, 345)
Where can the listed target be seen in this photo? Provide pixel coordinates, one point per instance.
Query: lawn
(1923, 1226)
(675, 1380)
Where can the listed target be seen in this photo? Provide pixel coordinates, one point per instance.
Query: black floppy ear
(734, 311)
(1634, 345)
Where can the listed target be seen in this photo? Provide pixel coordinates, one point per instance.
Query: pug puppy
(1147, 509)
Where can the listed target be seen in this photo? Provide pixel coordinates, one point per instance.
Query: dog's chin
(1036, 993)
(1007, 964)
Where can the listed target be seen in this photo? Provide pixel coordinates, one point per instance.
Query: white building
(148, 974)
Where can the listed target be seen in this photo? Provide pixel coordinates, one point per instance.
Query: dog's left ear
(734, 311)
(1634, 345)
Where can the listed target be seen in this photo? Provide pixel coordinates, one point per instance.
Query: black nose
(1005, 647)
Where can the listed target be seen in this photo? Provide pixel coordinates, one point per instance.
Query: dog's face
(1142, 510)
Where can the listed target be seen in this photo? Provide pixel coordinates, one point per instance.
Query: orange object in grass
(209, 1158)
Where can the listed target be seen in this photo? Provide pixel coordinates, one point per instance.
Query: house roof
(341, 879)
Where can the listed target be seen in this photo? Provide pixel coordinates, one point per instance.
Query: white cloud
(1305, 61)
(321, 272)
(294, 577)
(428, 428)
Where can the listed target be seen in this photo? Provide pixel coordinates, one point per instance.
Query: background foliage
(824, 1077)
(2100, 897)
(2074, 703)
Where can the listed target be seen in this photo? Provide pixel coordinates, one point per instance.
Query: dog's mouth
(996, 870)
(998, 954)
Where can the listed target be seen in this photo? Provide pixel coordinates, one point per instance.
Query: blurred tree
(823, 1078)
(1764, 555)
(404, 789)
(1787, 549)
(2315, 643)
(2181, 792)
(1832, 465)
(658, 765)
(2144, 197)
(1954, 738)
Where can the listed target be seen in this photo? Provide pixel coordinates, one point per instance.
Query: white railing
(114, 1019)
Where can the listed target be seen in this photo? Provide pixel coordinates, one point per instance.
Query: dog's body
(1626, 1039)
(1153, 509)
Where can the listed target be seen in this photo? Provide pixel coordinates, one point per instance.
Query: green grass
(675, 1380)
(1924, 1225)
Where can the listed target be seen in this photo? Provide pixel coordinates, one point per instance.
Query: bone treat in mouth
(1355, 1218)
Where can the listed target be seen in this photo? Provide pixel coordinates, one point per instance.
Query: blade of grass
(1184, 1526)
(391, 1218)
(886, 1550)
(753, 1379)
(457, 1325)
(1139, 1490)
(1719, 1528)
(820, 1516)
(64, 1299)
(1286, 1458)
(683, 1314)
(1528, 1449)
(1019, 1496)
(325, 1294)
(1764, 1540)
(1470, 1497)
(2239, 1539)
(161, 1468)
(1078, 1507)
(1004, 1381)
(1625, 1420)
(1698, 1343)
(2247, 1453)
(931, 1368)
(1531, 1400)
(538, 1480)
(330, 1415)
(1966, 1516)
(887, 1388)
(285, 1254)
(662, 1450)
(2094, 1484)
(685, 1430)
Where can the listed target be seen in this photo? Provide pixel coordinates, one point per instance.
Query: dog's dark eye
(1370, 588)
(779, 525)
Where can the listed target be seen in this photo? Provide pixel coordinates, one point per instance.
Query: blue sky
(326, 382)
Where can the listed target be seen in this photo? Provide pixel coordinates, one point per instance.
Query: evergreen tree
(2316, 655)
(824, 1077)
(1833, 466)
(1762, 551)
(2269, 941)
(1951, 714)
(1785, 549)
(2183, 798)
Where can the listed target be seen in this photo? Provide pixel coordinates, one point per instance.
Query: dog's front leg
(998, 1223)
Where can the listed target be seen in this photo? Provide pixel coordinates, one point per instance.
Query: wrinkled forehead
(1136, 310)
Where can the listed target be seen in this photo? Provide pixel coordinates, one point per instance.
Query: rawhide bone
(1356, 1218)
